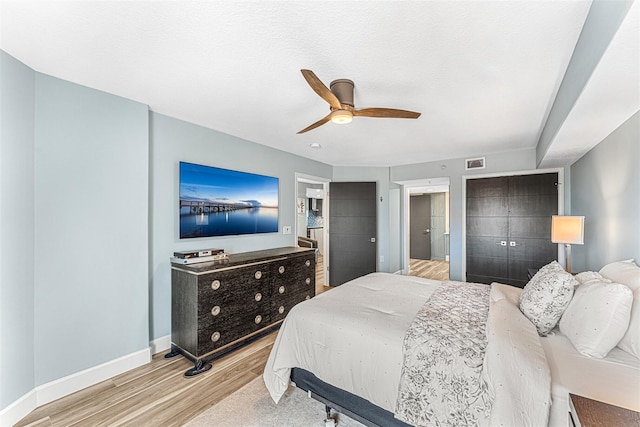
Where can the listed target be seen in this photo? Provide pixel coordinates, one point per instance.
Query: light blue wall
(91, 228)
(605, 188)
(455, 169)
(17, 372)
(172, 141)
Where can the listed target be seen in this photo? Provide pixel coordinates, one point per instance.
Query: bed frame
(344, 402)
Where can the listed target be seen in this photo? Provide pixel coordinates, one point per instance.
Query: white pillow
(590, 276)
(625, 272)
(597, 317)
(628, 273)
(546, 296)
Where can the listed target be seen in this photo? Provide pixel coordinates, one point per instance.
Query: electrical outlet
(286, 229)
(381, 258)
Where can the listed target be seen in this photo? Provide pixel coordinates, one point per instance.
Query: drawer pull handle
(281, 309)
(215, 310)
(307, 280)
(215, 337)
(258, 319)
(307, 297)
(281, 269)
(258, 296)
(281, 289)
(307, 263)
(258, 275)
(215, 285)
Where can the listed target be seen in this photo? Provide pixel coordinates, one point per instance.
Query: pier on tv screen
(223, 202)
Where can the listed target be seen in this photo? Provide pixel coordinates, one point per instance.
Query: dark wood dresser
(217, 307)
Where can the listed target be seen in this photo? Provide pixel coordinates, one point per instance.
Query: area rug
(251, 406)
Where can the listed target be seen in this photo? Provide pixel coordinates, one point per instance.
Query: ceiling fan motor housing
(343, 90)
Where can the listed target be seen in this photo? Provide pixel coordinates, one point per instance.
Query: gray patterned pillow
(546, 296)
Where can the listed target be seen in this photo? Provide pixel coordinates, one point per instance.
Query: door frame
(426, 185)
(310, 179)
(561, 186)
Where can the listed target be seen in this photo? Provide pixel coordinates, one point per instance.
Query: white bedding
(614, 379)
(355, 328)
(352, 336)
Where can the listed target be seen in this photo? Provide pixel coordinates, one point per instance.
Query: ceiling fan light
(341, 117)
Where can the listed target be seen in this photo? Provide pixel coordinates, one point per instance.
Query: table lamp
(568, 230)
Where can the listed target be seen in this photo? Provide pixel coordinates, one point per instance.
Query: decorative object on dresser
(568, 230)
(216, 308)
(197, 253)
(219, 257)
(585, 412)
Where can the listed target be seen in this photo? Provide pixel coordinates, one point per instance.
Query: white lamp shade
(567, 229)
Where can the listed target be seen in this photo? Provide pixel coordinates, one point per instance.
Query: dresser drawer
(219, 330)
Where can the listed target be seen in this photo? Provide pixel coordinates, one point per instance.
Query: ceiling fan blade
(386, 112)
(321, 89)
(316, 124)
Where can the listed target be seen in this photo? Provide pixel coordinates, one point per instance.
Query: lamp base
(567, 251)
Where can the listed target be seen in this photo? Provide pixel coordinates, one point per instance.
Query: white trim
(436, 183)
(561, 185)
(160, 344)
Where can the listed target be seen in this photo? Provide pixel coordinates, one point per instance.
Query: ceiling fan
(340, 99)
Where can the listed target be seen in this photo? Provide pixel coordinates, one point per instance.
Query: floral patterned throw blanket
(444, 348)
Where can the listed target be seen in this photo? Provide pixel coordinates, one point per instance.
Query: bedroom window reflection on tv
(222, 202)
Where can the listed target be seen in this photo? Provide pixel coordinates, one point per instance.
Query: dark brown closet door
(509, 226)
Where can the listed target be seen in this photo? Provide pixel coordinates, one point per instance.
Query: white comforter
(352, 336)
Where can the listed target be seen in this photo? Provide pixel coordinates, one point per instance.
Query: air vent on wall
(477, 163)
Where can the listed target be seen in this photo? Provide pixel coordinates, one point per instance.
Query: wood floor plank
(429, 269)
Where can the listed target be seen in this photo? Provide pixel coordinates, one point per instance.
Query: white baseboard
(160, 344)
(70, 384)
(18, 409)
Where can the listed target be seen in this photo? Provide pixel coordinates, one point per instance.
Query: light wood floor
(156, 394)
(430, 269)
(320, 287)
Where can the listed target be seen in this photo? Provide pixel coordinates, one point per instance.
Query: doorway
(312, 220)
(426, 228)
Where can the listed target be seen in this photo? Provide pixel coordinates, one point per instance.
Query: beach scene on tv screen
(221, 202)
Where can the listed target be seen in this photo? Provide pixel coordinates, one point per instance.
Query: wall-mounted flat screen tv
(222, 202)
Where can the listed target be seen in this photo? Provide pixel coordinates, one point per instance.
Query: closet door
(487, 229)
(533, 199)
(509, 226)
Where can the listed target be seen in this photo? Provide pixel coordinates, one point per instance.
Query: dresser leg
(173, 353)
(199, 367)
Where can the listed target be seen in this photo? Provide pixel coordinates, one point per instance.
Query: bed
(348, 348)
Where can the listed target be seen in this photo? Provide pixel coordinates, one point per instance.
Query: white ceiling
(484, 74)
